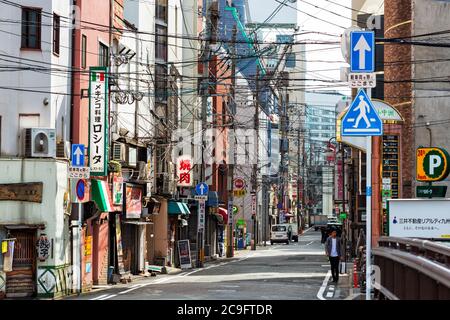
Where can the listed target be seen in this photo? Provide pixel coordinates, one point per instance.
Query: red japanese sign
(184, 171)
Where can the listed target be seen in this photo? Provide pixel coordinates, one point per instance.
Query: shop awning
(101, 195)
(177, 208)
(224, 214)
(213, 199)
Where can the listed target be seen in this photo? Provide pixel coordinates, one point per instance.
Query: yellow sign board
(239, 193)
(432, 164)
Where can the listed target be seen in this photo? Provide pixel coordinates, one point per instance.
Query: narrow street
(279, 272)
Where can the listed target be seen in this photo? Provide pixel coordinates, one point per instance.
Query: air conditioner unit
(40, 143)
(168, 185)
(118, 152)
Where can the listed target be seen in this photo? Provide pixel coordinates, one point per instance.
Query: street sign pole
(362, 60)
(80, 228)
(369, 212)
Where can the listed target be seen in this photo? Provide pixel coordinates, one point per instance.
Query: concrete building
(320, 109)
(33, 162)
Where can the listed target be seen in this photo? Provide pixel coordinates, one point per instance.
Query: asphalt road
(298, 271)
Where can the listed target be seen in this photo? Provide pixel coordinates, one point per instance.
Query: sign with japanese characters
(432, 164)
(419, 218)
(79, 173)
(43, 247)
(253, 204)
(362, 80)
(98, 121)
(201, 215)
(184, 171)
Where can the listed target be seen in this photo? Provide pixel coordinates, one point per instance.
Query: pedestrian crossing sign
(361, 118)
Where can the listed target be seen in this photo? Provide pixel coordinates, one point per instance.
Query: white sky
(323, 60)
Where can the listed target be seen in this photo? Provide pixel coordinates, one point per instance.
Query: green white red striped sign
(101, 195)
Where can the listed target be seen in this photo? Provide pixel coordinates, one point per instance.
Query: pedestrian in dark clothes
(333, 252)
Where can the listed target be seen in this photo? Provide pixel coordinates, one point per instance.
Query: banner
(8, 256)
(133, 202)
(184, 254)
(98, 121)
(184, 171)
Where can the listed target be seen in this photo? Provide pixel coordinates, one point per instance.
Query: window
(161, 83)
(284, 38)
(161, 10)
(161, 43)
(31, 28)
(83, 51)
(103, 56)
(290, 60)
(56, 33)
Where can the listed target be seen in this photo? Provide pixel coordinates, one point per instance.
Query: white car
(279, 233)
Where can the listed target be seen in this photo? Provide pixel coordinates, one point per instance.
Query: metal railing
(412, 269)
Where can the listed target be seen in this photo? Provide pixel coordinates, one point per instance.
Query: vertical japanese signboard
(201, 215)
(253, 204)
(390, 173)
(184, 171)
(98, 121)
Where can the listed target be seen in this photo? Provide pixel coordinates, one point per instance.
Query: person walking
(333, 252)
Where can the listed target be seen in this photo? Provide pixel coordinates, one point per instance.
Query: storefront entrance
(21, 281)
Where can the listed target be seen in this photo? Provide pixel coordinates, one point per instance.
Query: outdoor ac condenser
(40, 143)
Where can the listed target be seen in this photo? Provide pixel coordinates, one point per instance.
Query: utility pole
(255, 165)
(205, 93)
(298, 178)
(232, 139)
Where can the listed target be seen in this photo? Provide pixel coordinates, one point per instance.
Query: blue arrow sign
(362, 51)
(361, 118)
(77, 155)
(202, 189)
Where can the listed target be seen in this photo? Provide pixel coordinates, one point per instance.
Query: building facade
(35, 132)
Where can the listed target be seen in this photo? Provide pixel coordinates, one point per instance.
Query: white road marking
(309, 243)
(261, 276)
(99, 297)
(329, 294)
(108, 297)
(324, 286)
(136, 286)
(229, 286)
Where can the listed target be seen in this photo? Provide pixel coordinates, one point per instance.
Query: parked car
(279, 233)
(294, 229)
